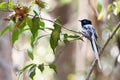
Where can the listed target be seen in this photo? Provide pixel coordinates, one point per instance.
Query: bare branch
(102, 49)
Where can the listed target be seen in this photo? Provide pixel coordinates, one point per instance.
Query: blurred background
(73, 59)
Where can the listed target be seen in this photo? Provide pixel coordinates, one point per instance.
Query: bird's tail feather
(95, 49)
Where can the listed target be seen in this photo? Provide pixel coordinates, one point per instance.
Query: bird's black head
(85, 22)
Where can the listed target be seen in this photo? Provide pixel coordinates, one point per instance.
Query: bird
(89, 32)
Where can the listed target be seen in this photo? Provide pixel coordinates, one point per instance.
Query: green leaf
(29, 21)
(75, 37)
(36, 14)
(6, 5)
(23, 69)
(10, 26)
(18, 31)
(41, 67)
(35, 25)
(99, 7)
(42, 4)
(3, 5)
(21, 25)
(42, 25)
(15, 35)
(31, 72)
(116, 7)
(55, 36)
(4, 30)
(30, 53)
(52, 66)
(109, 7)
(11, 5)
(66, 37)
(33, 39)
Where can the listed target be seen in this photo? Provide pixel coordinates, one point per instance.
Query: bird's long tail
(95, 49)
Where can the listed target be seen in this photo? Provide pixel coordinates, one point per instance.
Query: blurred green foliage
(99, 5)
(114, 8)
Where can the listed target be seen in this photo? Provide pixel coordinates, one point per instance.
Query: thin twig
(62, 26)
(101, 51)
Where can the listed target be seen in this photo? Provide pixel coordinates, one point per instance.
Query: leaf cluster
(21, 20)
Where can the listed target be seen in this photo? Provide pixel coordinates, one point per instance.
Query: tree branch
(102, 49)
(62, 26)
